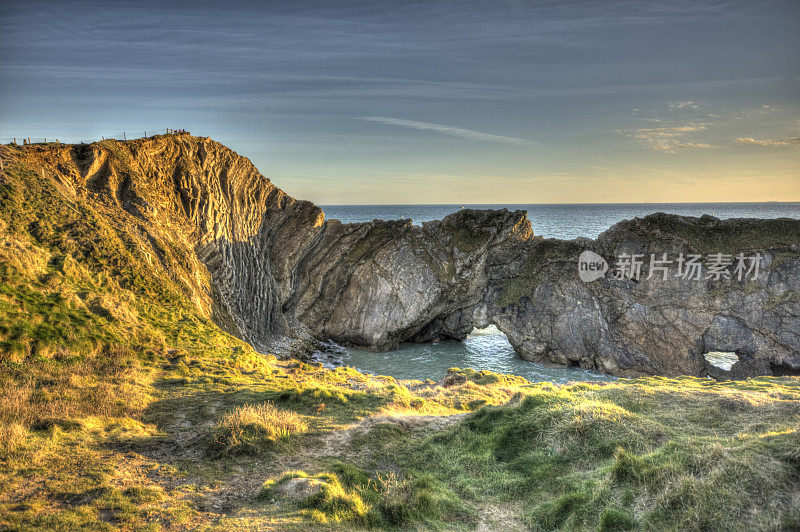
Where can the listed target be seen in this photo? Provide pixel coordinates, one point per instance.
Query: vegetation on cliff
(114, 383)
(712, 235)
(543, 253)
(125, 406)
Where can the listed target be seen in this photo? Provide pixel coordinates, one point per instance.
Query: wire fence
(124, 135)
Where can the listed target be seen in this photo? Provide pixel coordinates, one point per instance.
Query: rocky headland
(271, 270)
(136, 278)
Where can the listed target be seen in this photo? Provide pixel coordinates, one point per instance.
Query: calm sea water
(488, 348)
(483, 349)
(566, 221)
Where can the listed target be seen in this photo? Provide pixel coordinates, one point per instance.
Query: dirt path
(229, 499)
(494, 517)
(334, 442)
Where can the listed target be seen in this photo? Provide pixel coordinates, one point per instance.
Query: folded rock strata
(266, 266)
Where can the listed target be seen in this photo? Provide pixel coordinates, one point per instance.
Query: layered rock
(199, 212)
(664, 326)
(266, 266)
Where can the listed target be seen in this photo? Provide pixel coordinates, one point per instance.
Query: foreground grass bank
(124, 406)
(651, 453)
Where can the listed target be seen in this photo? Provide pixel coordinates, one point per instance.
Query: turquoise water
(483, 349)
(489, 349)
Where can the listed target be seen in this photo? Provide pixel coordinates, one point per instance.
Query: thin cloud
(694, 145)
(668, 139)
(795, 142)
(683, 105)
(445, 130)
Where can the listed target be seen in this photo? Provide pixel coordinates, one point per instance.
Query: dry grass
(274, 422)
(13, 438)
(252, 429)
(91, 333)
(111, 385)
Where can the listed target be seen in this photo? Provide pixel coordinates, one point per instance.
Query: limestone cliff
(198, 211)
(661, 326)
(266, 266)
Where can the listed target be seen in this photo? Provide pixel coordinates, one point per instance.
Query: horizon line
(768, 202)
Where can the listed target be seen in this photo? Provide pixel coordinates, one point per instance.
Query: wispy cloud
(795, 142)
(668, 139)
(694, 145)
(686, 125)
(445, 130)
(683, 105)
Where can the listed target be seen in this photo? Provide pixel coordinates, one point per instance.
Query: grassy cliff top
(124, 406)
(708, 234)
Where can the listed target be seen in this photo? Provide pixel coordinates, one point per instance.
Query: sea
(488, 349)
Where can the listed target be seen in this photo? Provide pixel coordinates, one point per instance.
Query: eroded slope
(267, 267)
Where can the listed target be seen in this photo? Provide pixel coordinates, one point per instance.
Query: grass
(327, 500)
(649, 453)
(352, 496)
(115, 384)
(252, 429)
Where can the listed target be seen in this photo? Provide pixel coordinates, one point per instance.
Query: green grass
(115, 384)
(348, 494)
(649, 453)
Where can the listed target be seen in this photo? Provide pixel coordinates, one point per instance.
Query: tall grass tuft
(254, 429)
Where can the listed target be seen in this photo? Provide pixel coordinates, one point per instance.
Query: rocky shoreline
(271, 270)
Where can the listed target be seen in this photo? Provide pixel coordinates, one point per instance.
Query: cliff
(265, 266)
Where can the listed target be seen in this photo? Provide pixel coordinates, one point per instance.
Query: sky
(392, 102)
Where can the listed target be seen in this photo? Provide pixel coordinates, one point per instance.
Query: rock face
(266, 266)
(661, 325)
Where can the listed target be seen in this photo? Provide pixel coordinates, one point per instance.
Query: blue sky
(432, 102)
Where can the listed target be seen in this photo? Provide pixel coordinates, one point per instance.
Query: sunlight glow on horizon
(443, 102)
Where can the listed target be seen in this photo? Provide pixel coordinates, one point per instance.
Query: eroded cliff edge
(266, 266)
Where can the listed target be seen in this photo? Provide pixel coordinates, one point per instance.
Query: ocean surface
(565, 221)
(488, 348)
(483, 349)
